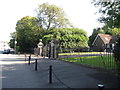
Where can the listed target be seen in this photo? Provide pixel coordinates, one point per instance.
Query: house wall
(98, 45)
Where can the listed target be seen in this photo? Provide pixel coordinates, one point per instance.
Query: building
(103, 42)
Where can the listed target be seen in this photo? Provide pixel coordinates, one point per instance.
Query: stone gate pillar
(53, 48)
(40, 47)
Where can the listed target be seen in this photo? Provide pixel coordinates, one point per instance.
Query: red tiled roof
(105, 37)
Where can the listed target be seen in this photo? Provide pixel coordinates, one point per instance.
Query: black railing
(98, 60)
(78, 57)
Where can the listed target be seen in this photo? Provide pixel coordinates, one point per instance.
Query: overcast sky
(81, 14)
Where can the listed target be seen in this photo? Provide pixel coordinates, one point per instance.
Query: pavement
(17, 73)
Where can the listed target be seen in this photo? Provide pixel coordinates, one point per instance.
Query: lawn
(104, 61)
(82, 53)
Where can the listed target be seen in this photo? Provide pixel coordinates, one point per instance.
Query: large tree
(111, 18)
(68, 37)
(110, 11)
(52, 16)
(28, 33)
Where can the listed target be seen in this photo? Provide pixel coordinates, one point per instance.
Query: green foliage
(17, 49)
(50, 21)
(68, 37)
(28, 33)
(94, 34)
(12, 43)
(12, 40)
(52, 16)
(110, 13)
(115, 31)
(30, 29)
(101, 31)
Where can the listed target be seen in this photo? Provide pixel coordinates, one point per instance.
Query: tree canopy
(110, 11)
(68, 37)
(28, 33)
(51, 16)
(12, 40)
(50, 20)
(114, 31)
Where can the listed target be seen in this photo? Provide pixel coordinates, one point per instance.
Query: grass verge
(103, 61)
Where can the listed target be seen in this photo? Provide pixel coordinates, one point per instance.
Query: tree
(94, 34)
(28, 33)
(111, 18)
(52, 16)
(115, 31)
(12, 43)
(110, 13)
(12, 40)
(68, 37)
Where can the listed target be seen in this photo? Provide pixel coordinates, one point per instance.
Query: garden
(103, 60)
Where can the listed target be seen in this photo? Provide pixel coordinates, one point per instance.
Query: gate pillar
(40, 47)
(53, 48)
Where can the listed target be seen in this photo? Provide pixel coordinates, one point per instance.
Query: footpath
(19, 74)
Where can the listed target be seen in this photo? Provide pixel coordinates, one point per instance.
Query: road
(0, 52)
(16, 73)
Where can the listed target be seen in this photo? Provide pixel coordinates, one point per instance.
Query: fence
(52, 73)
(97, 60)
(49, 69)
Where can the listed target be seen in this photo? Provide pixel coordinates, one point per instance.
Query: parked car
(6, 51)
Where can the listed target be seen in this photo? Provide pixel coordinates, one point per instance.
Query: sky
(81, 14)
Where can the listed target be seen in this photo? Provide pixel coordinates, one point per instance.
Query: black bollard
(100, 86)
(25, 57)
(35, 64)
(29, 60)
(50, 74)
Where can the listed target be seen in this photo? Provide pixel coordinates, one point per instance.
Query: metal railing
(97, 60)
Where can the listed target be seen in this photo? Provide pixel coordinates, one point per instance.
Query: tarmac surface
(17, 73)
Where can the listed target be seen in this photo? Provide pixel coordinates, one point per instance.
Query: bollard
(25, 57)
(100, 86)
(50, 74)
(35, 64)
(29, 60)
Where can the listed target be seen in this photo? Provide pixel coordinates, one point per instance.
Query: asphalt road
(0, 52)
(16, 73)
